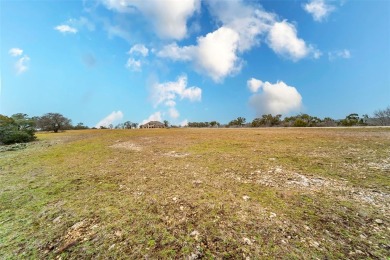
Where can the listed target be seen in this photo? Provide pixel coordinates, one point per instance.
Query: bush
(16, 131)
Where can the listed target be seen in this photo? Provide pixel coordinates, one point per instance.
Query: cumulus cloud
(342, 54)
(110, 119)
(64, 28)
(214, 55)
(254, 84)
(166, 93)
(319, 9)
(15, 52)
(169, 17)
(283, 40)
(153, 117)
(242, 27)
(139, 49)
(278, 98)
(250, 22)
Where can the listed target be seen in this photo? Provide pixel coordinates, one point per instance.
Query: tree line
(20, 128)
(379, 118)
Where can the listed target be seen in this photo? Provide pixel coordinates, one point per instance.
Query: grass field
(198, 193)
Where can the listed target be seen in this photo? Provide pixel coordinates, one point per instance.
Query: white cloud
(176, 53)
(64, 28)
(15, 52)
(242, 27)
(21, 64)
(184, 123)
(250, 22)
(283, 40)
(214, 55)
(173, 113)
(254, 84)
(139, 49)
(278, 98)
(73, 25)
(166, 93)
(169, 17)
(170, 103)
(133, 64)
(319, 9)
(153, 117)
(110, 119)
(343, 54)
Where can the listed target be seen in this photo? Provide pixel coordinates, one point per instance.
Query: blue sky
(109, 61)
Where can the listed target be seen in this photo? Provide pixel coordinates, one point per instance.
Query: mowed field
(198, 193)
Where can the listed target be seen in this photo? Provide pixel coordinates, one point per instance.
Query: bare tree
(53, 122)
(382, 116)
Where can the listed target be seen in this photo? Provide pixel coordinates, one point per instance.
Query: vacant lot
(195, 193)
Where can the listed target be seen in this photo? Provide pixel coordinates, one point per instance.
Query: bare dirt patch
(176, 154)
(127, 146)
(78, 233)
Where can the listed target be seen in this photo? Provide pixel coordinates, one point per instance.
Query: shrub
(16, 129)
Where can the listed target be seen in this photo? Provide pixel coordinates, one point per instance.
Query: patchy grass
(212, 193)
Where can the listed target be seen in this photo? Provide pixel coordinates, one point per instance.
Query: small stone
(197, 182)
(272, 159)
(278, 170)
(174, 199)
(118, 233)
(246, 198)
(181, 208)
(57, 219)
(247, 241)
(378, 221)
(307, 228)
(272, 215)
(195, 234)
(315, 244)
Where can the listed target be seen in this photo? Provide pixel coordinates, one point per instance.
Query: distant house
(153, 124)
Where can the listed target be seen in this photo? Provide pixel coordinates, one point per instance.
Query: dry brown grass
(192, 193)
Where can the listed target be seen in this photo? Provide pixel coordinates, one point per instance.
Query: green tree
(18, 128)
(214, 124)
(350, 120)
(80, 126)
(127, 124)
(166, 123)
